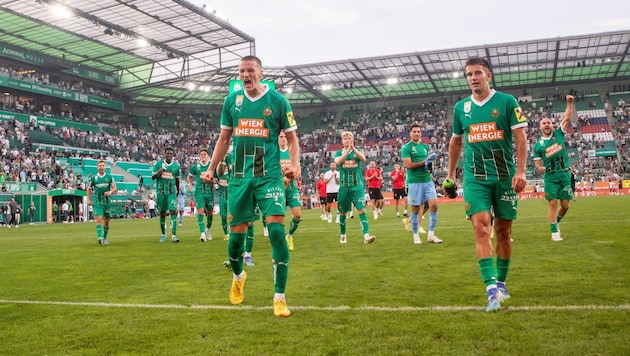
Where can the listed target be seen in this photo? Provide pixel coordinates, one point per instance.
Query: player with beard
(551, 159)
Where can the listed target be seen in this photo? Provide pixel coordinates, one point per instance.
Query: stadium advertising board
(19, 55)
(46, 121)
(50, 90)
(93, 75)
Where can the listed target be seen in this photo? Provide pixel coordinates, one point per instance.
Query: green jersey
(255, 125)
(552, 151)
(166, 183)
(350, 174)
(487, 129)
(99, 185)
(200, 186)
(285, 158)
(417, 152)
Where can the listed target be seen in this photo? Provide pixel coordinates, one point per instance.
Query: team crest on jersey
(495, 113)
(467, 107)
(467, 207)
(267, 111)
(239, 100)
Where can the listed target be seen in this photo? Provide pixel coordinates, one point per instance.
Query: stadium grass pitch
(62, 294)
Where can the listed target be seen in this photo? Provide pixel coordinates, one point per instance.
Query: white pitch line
(315, 308)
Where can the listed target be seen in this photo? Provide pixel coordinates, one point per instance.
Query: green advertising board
(20, 55)
(46, 121)
(53, 91)
(61, 192)
(13, 187)
(93, 75)
(67, 149)
(605, 153)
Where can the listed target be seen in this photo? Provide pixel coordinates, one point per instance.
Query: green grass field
(62, 294)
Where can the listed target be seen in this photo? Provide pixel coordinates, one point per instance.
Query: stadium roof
(189, 56)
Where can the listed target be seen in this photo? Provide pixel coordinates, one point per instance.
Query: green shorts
(349, 195)
(223, 206)
(204, 201)
(245, 193)
(166, 202)
(293, 196)
(490, 196)
(558, 187)
(101, 210)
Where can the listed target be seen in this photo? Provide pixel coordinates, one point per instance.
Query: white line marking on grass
(337, 308)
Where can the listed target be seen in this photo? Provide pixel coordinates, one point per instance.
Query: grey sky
(290, 32)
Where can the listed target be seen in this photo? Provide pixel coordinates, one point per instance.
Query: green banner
(90, 74)
(5, 115)
(20, 187)
(57, 148)
(20, 55)
(46, 121)
(606, 153)
(50, 90)
(60, 192)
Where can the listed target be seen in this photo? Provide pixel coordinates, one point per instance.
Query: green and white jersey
(256, 124)
(99, 185)
(166, 183)
(285, 158)
(552, 151)
(350, 173)
(200, 186)
(417, 152)
(487, 129)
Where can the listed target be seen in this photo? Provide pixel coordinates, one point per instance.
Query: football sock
(364, 223)
(553, 227)
(99, 231)
(558, 218)
(173, 224)
(200, 222)
(342, 224)
(224, 224)
(163, 224)
(432, 220)
(249, 239)
(488, 273)
(503, 266)
(414, 223)
(105, 231)
(209, 222)
(280, 256)
(294, 225)
(235, 251)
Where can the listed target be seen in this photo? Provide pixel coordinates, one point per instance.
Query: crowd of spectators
(380, 131)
